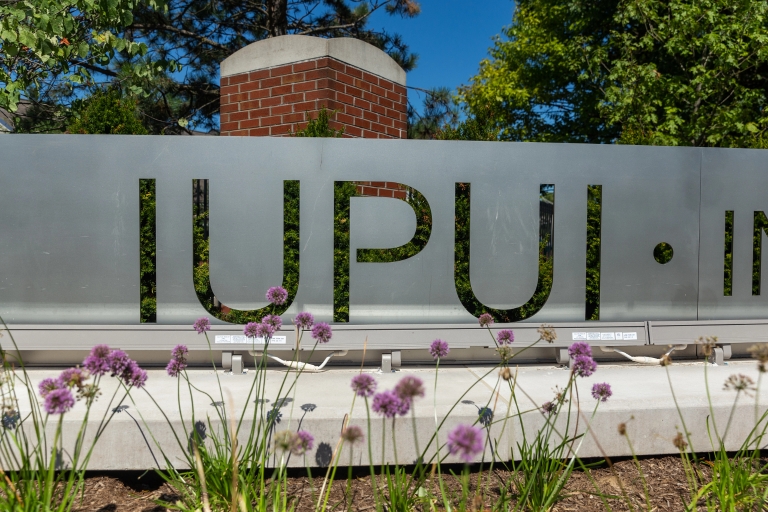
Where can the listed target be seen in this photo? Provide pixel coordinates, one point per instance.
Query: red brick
(281, 70)
(269, 121)
(305, 106)
(319, 73)
(345, 79)
(316, 95)
(353, 111)
(335, 125)
(301, 126)
(371, 79)
(353, 91)
(250, 105)
(379, 184)
(238, 116)
(400, 194)
(353, 71)
(345, 98)
(293, 98)
(378, 91)
(386, 193)
(257, 113)
(232, 107)
(345, 119)
(293, 78)
(260, 74)
(323, 62)
(386, 121)
(280, 129)
(361, 84)
(304, 86)
(377, 127)
(271, 102)
(280, 91)
(367, 96)
(335, 64)
(229, 89)
(368, 191)
(378, 109)
(251, 86)
(401, 125)
(362, 104)
(397, 98)
(260, 93)
(223, 118)
(331, 104)
(294, 118)
(324, 83)
(370, 116)
(281, 109)
(238, 79)
(304, 66)
(251, 123)
(224, 81)
(386, 103)
(259, 132)
(362, 123)
(228, 127)
(239, 133)
(271, 82)
(386, 84)
(394, 114)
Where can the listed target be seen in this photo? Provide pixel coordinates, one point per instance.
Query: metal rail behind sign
(69, 228)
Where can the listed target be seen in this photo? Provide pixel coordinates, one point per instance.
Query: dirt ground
(664, 476)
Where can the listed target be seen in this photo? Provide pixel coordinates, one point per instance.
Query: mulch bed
(665, 479)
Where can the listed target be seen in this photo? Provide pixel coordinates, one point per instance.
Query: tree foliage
(677, 72)
(48, 47)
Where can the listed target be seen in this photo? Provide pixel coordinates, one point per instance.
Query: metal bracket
(719, 354)
(562, 356)
(226, 360)
(237, 364)
(390, 362)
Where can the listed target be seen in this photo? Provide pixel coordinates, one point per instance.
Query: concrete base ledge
(319, 402)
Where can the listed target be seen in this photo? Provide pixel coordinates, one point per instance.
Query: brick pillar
(268, 87)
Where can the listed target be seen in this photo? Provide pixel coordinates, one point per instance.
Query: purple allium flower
(277, 295)
(265, 330)
(133, 375)
(549, 407)
(322, 332)
(97, 363)
(48, 385)
(180, 352)
(409, 388)
(304, 320)
(485, 320)
(352, 434)
(505, 337)
(118, 362)
(175, 367)
(439, 348)
(58, 401)
(201, 325)
(389, 405)
(584, 366)
(601, 391)
(304, 442)
(273, 320)
(72, 377)
(364, 385)
(466, 441)
(251, 329)
(580, 349)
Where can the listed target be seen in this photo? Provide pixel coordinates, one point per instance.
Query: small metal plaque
(240, 339)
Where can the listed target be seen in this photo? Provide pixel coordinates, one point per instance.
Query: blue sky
(451, 38)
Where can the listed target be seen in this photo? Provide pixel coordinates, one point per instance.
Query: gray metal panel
(727, 331)
(734, 180)
(163, 338)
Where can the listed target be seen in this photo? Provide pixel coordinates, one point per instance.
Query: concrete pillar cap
(278, 51)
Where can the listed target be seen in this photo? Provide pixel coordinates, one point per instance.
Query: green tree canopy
(676, 72)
